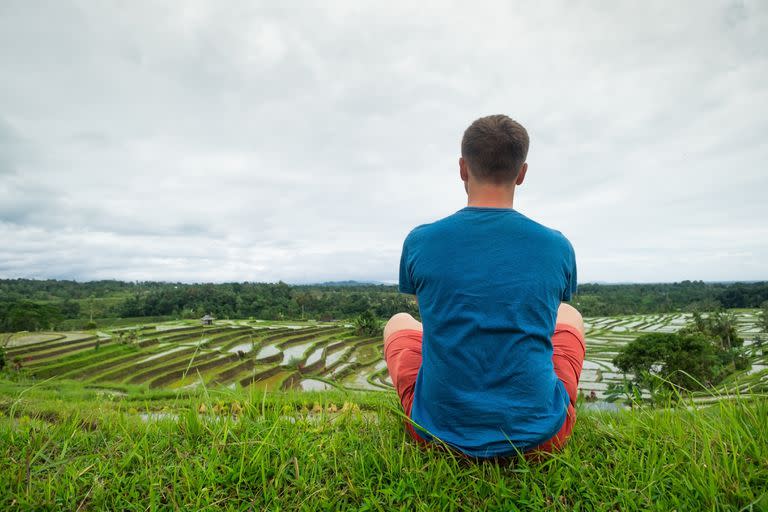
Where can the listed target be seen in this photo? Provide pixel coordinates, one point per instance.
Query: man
(494, 368)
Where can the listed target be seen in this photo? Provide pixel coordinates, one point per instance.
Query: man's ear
(521, 174)
(463, 169)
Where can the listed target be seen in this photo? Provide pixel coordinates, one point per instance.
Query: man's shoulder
(461, 223)
(546, 231)
(430, 227)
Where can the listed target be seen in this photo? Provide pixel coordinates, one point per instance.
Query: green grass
(66, 446)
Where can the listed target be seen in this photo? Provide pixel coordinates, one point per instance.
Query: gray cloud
(236, 141)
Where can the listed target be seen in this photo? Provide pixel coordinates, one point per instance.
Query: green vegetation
(27, 304)
(720, 327)
(672, 360)
(697, 357)
(25, 315)
(68, 447)
(188, 354)
(183, 416)
(291, 354)
(366, 324)
(689, 296)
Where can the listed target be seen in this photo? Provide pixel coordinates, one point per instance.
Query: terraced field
(606, 335)
(230, 353)
(306, 356)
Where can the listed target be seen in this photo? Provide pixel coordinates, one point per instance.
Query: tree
(91, 304)
(720, 326)
(671, 360)
(70, 308)
(366, 324)
(763, 317)
(26, 315)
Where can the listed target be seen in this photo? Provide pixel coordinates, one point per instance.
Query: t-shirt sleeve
(570, 276)
(406, 278)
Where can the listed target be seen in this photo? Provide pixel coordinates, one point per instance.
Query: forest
(29, 304)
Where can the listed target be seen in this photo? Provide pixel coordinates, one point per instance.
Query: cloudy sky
(233, 141)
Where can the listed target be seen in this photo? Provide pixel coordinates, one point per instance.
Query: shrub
(763, 318)
(720, 327)
(704, 352)
(366, 324)
(671, 360)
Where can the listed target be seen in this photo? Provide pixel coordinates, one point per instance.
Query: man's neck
(491, 197)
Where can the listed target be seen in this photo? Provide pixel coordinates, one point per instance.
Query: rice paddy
(309, 355)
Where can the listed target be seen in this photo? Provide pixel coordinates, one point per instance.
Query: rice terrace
(292, 355)
(129, 397)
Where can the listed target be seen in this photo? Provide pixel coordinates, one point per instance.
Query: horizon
(353, 282)
(229, 143)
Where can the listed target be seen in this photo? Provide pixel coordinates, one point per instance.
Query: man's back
(489, 282)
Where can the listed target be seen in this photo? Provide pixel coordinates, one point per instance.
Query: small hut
(207, 320)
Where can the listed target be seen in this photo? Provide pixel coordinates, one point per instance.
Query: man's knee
(567, 314)
(401, 321)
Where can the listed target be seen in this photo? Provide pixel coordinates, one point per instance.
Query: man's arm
(571, 283)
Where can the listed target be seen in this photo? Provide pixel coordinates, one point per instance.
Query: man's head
(494, 148)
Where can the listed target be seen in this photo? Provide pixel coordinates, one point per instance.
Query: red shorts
(402, 351)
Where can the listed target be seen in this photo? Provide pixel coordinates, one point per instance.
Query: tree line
(28, 304)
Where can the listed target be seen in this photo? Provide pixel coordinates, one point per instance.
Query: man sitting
(494, 368)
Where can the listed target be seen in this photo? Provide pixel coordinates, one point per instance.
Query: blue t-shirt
(489, 282)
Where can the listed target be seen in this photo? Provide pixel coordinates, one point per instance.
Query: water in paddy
(593, 386)
(169, 327)
(595, 364)
(364, 354)
(315, 356)
(340, 368)
(268, 351)
(161, 354)
(295, 351)
(332, 358)
(359, 380)
(196, 343)
(314, 385)
(243, 347)
(155, 416)
(29, 339)
(601, 405)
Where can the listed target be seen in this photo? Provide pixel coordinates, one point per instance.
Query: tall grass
(67, 447)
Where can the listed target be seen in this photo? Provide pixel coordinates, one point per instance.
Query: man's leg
(401, 322)
(402, 352)
(569, 348)
(568, 359)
